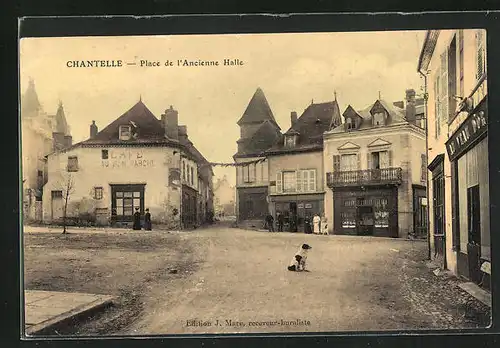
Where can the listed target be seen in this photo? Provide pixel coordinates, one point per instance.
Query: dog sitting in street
(298, 262)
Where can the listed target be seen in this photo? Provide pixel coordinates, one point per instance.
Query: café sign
(471, 130)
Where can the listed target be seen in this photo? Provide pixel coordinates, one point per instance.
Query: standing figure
(324, 224)
(281, 222)
(137, 220)
(316, 223)
(147, 221)
(270, 222)
(307, 225)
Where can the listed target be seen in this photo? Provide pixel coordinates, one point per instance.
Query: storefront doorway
(474, 229)
(124, 200)
(438, 210)
(365, 219)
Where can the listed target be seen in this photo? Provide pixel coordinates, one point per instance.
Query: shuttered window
(312, 180)
(279, 182)
(301, 183)
(336, 163)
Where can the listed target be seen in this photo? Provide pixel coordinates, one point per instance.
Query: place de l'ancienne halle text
(99, 63)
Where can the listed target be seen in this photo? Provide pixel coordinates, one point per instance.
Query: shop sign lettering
(127, 159)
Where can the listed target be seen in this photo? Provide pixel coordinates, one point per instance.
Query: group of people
(137, 220)
(319, 224)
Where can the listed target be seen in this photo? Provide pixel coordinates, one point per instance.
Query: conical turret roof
(258, 110)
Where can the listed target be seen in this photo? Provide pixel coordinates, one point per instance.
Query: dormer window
(125, 132)
(290, 140)
(379, 119)
(350, 123)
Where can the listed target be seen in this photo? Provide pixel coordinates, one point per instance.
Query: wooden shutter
(479, 54)
(251, 172)
(305, 180)
(336, 163)
(358, 165)
(437, 128)
(312, 180)
(389, 158)
(279, 182)
(369, 160)
(299, 181)
(444, 88)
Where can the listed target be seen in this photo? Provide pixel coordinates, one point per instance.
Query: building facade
(296, 187)
(41, 133)
(137, 161)
(454, 65)
(224, 194)
(258, 132)
(376, 171)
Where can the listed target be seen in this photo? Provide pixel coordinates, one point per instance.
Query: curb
(73, 316)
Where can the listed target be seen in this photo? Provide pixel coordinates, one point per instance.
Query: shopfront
(366, 211)
(468, 153)
(296, 209)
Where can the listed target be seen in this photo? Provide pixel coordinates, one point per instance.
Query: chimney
(171, 123)
(68, 140)
(410, 106)
(293, 117)
(182, 131)
(93, 130)
(400, 104)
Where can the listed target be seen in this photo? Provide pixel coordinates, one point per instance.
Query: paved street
(172, 283)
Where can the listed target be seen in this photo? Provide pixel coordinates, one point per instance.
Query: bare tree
(68, 188)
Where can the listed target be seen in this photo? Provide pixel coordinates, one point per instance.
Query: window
(379, 160)
(480, 54)
(104, 154)
(188, 170)
(423, 168)
(351, 124)
(441, 93)
(72, 164)
(56, 194)
(461, 61)
(192, 176)
(296, 181)
(290, 140)
(289, 182)
(349, 162)
(184, 170)
(125, 132)
(379, 119)
(336, 163)
(98, 192)
(249, 173)
(474, 215)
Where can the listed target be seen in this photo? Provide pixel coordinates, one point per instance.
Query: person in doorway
(307, 225)
(281, 221)
(316, 224)
(147, 221)
(270, 222)
(137, 220)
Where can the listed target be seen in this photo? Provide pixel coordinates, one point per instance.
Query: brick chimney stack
(293, 117)
(171, 123)
(93, 130)
(410, 106)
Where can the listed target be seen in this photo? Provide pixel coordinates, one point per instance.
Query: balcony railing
(365, 177)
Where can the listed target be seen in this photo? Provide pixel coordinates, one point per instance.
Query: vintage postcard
(255, 183)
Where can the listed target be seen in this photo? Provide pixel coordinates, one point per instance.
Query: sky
(292, 69)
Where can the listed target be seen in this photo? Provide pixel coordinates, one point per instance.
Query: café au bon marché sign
(473, 128)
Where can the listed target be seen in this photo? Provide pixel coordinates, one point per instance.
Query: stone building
(375, 164)
(453, 63)
(258, 132)
(41, 133)
(137, 161)
(296, 187)
(225, 195)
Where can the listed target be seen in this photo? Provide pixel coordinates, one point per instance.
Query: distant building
(225, 197)
(296, 187)
(454, 65)
(375, 164)
(258, 132)
(41, 133)
(137, 161)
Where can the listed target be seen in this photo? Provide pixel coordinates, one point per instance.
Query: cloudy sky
(292, 70)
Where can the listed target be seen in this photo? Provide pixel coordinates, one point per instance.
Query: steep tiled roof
(258, 110)
(397, 115)
(61, 123)
(310, 126)
(148, 128)
(262, 139)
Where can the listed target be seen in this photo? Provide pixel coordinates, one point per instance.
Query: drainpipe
(426, 97)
